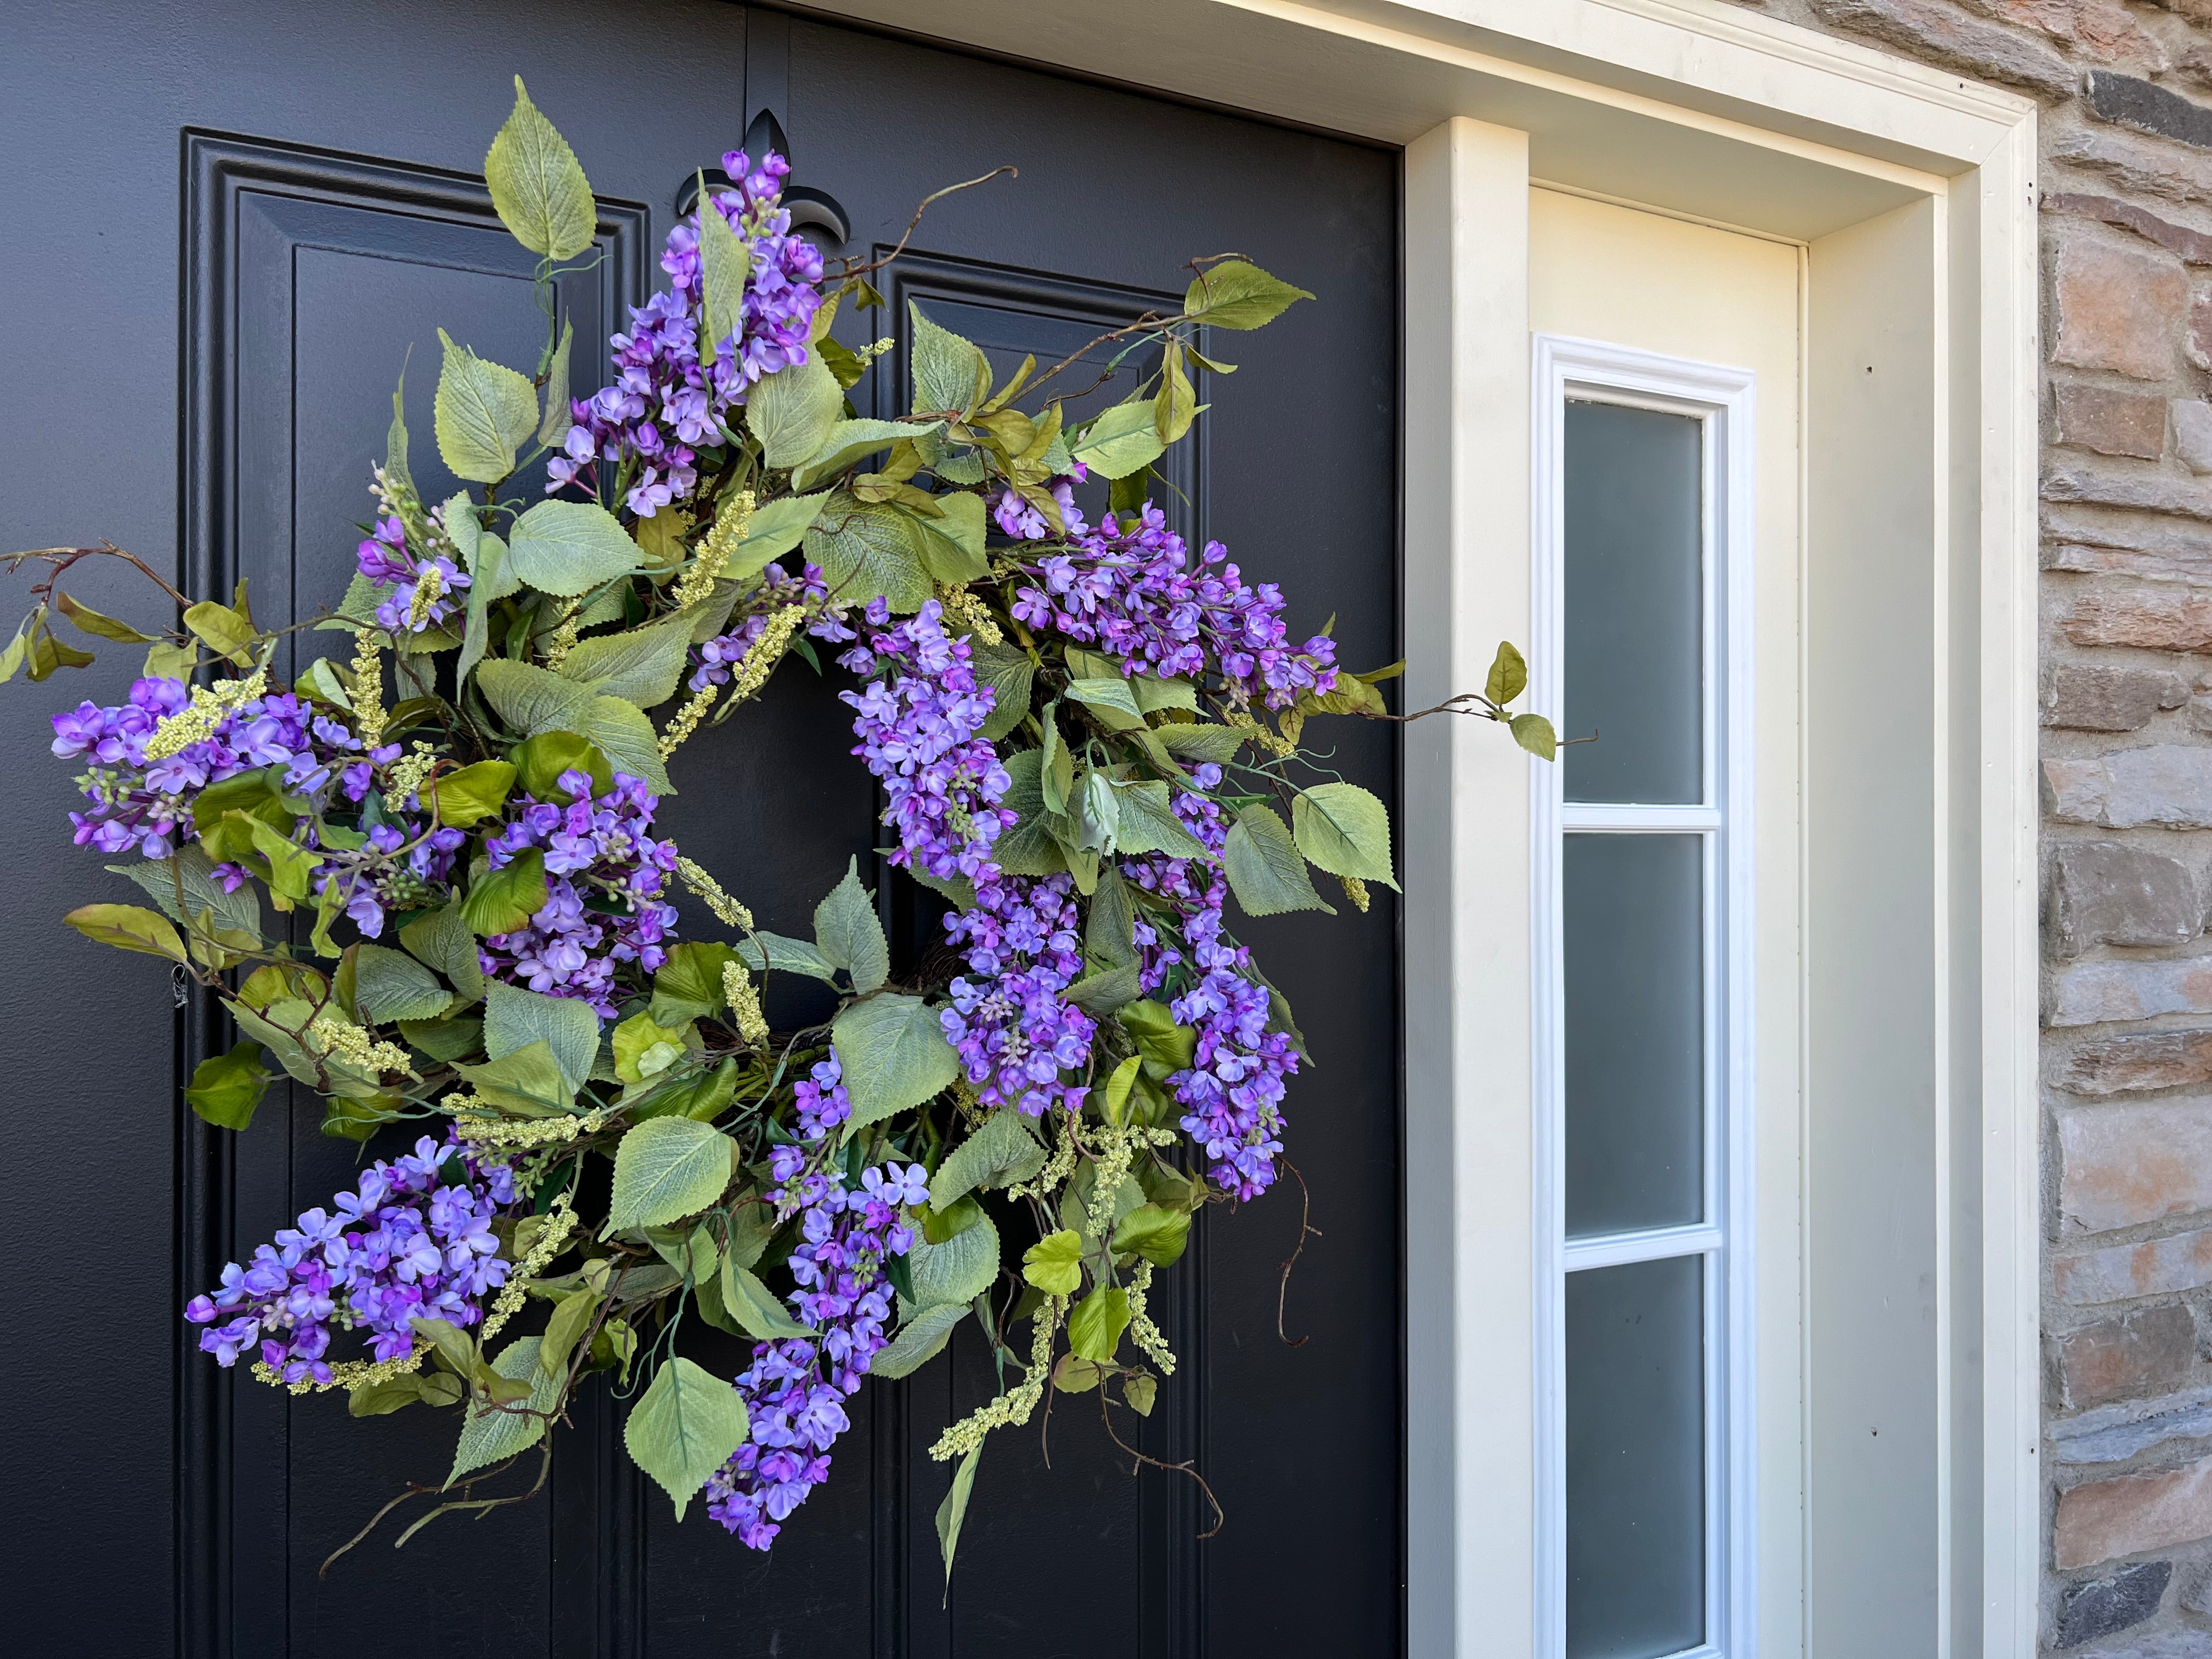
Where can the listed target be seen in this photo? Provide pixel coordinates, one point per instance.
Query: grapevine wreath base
(1088, 735)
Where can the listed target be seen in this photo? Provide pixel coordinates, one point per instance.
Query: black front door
(213, 399)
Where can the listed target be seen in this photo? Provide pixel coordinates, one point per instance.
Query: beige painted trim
(1699, 109)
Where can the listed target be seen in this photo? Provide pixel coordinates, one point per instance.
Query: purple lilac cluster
(1232, 1091)
(424, 597)
(722, 654)
(603, 879)
(917, 730)
(664, 404)
(413, 1241)
(404, 866)
(1136, 595)
(795, 1390)
(147, 805)
(1016, 1034)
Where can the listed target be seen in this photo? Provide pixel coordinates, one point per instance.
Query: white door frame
(1914, 192)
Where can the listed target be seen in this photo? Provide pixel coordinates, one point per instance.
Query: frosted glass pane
(1634, 606)
(1636, 1453)
(1635, 1036)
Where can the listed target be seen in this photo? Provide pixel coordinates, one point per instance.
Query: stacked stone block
(2126, 205)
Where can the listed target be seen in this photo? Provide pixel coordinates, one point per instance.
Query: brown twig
(1305, 1229)
(1189, 1466)
(62, 557)
(851, 271)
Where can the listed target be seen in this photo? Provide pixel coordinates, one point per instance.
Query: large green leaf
(848, 440)
(775, 528)
(537, 185)
(1054, 1263)
(949, 373)
(848, 934)
(668, 1168)
(1154, 1232)
(864, 551)
(1200, 742)
(129, 927)
(1121, 441)
(473, 793)
(389, 985)
(792, 411)
(1111, 700)
(764, 950)
(894, 1054)
(1004, 1150)
(1345, 830)
(626, 737)
(226, 1088)
(920, 1341)
(1096, 1323)
(529, 1082)
(540, 760)
(1028, 847)
(725, 266)
(554, 424)
(503, 900)
(567, 548)
(442, 940)
(485, 412)
(957, 1270)
(1145, 822)
(1008, 670)
(1236, 293)
(529, 700)
(1267, 871)
(688, 985)
(491, 1435)
(755, 1307)
(686, 1426)
(515, 1018)
(641, 665)
(189, 871)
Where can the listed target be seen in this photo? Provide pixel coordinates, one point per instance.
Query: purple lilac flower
(1135, 595)
(1017, 1035)
(1232, 1090)
(724, 652)
(408, 1243)
(382, 557)
(596, 851)
(795, 1390)
(664, 404)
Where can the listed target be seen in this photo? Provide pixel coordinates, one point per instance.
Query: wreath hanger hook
(807, 206)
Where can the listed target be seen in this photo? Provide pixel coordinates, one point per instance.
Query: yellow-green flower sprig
(704, 887)
(688, 718)
(1056, 1168)
(746, 1013)
(1013, 1408)
(197, 720)
(562, 640)
(366, 677)
(1142, 1332)
(341, 1039)
(968, 610)
(768, 650)
(408, 774)
(1115, 1149)
(720, 547)
(518, 1132)
(560, 1222)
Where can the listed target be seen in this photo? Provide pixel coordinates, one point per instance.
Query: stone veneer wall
(2126, 96)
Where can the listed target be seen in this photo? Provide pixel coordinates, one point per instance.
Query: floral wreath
(1083, 732)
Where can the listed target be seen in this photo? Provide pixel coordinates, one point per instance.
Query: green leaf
(775, 528)
(1028, 847)
(1057, 779)
(668, 1168)
(848, 934)
(1115, 702)
(537, 186)
(100, 624)
(1141, 1391)
(503, 900)
(627, 739)
(291, 866)
(1054, 1263)
(920, 1339)
(1345, 830)
(1535, 733)
(473, 793)
(133, 928)
(491, 1435)
(567, 548)
(485, 412)
(226, 1088)
(227, 633)
(540, 760)
(444, 1039)
(1267, 871)
(688, 985)
(894, 1054)
(957, 1270)
(1096, 1323)
(1110, 930)
(444, 942)
(554, 425)
(645, 1049)
(395, 440)
(687, 1425)
(954, 1510)
(1121, 441)
(765, 950)
(1237, 294)
(792, 411)
(950, 545)
(949, 373)
(1166, 1046)
(1508, 675)
(204, 899)
(572, 1317)
(704, 1097)
(848, 440)
(1176, 404)
(388, 986)
(725, 266)
(1100, 994)
(1145, 823)
(938, 1226)
(754, 1306)
(865, 551)
(1007, 670)
(1003, 1151)
(1155, 1234)
(1154, 695)
(641, 665)
(1115, 1097)
(1201, 742)
(528, 1082)
(515, 1018)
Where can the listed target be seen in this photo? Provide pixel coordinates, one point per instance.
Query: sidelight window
(1643, 891)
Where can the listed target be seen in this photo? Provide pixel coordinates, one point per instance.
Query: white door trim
(1698, 108)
